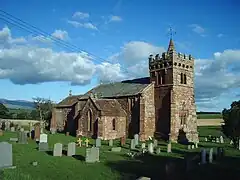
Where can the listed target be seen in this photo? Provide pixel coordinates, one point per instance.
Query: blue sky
(120, 34)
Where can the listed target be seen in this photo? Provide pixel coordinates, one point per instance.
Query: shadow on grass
(50, 153)
(154, 166)
(64, 152)
(79, 157)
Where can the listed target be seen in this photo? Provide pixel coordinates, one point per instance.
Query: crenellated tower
(175, 107)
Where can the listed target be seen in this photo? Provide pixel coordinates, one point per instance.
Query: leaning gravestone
(132, 146)
(92, 155)
(136, 139)
(43, 146)
(57, 150)
(5, 155)
(43, 138)
(71, 149)
(98, 142)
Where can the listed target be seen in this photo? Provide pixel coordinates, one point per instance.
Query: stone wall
(147, 113)
(108, 132)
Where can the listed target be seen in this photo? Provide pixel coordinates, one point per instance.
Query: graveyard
(118, 161)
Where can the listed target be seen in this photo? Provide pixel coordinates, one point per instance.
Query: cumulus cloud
(198, 29)
(80, 15)
(220, 35)
(115, 19)
(87, 25)
(60, 34)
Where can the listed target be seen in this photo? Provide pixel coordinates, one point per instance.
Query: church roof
(117, 89)
(69, 101)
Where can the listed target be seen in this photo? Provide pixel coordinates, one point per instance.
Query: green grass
(113, 165)
(209, 116)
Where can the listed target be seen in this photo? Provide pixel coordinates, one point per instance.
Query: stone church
(161, 105)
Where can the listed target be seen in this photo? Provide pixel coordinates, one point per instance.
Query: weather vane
(171, 32)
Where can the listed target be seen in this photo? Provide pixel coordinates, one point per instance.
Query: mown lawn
(115, 165)
(209, 116)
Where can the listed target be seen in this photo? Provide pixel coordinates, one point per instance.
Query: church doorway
(95, 129)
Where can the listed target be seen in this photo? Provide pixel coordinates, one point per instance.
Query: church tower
(173, 74)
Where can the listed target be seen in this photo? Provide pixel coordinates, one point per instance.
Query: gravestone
(155, 143)
(116, 149)
(239, 144)
(22, 137)
(136, 139)
(158, 150)
(79, 142)
(169, 148)
(22, 129)
(92, 155)
(13, 139)
(150, 148)
(193, 146)
(37, 131)
(1, 132)
(210, 157)
(206, 139)
(189, 147)
(203, 156)
(98, 142)
(132, 144)
(221, 140)
(217, 140)
(7, 128)
(110, 143)
(53, 131)
(143, 146)
(143, 178)
(12, 129)
(123, 141)
(43, 138)
(6, 159)
(71, 149)
(57, 150)
(43, 146)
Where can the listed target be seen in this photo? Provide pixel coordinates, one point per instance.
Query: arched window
(114, 124)
(89, 122)
(182, 78)
(185, 79)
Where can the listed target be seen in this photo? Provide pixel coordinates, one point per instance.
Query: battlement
(185, 56)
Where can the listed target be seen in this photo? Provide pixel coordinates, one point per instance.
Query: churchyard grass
(209, 116)
(113, 165)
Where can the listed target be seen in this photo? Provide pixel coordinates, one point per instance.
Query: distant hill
(17, 104)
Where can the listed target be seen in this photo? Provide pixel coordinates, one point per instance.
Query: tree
(34, 114)
(231, 117)
(4, 112)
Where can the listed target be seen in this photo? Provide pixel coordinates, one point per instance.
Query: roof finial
(70, 92)
(171, 33)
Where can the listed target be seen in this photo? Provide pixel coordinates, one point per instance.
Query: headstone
(189, 147)
(71, 149)
(98, 142)
(5, 155)
(37, 131)
(92, 155)
(57, 150)
(43, 138)
(203, 156)
(231, 142)
(13, 139)
(1, 132)
(136, 139)
(34, 163)
(7, 125)
(150, 148)
(43, 146)
(221, 140)
(110, 143)
(155, 143)
(158, 150)
(210, 157)
(123, 141)
(86, 142)
(132, 144)
(196, 144)
(22, 137)
(143, 146)
(206, 139)
(12, 129)
(239, 144)
(53, 131)
(193, 146)
(79, 142)
(217, 140)
(143, 178)
(22, 129)
(116, 149)
(169, 148)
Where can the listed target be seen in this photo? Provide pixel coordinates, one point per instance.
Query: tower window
(187, 66)
(179, 64)
(183, 65)
(181, 78)
(185, 79)
(161, 66)
(89, 122)
(163, 78)
(153, 74)
(114, 124)
(175, 64)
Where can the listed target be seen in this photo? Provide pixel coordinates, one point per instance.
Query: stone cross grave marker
(150, 148)
(79, 142)
(143, 146)
(158, 150)
(22, 137)
(169, 148)
(221, 140)
(43, 146)
(110, 143)
(57, 150)
(98, 142)
(86, 142)
(71, 149)
(5, 155)
(155, 143)
(43, 138)
(203, 156)
(210, 157)
(132, 144)
(136, 139)
(92, 155)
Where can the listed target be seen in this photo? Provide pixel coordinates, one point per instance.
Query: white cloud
(60, 34)
(83, 25)
(198, 29)
(115, 19)
(80, 15)
(220, 35)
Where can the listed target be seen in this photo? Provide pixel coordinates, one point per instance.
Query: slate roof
(117, 89)
(69, 101)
